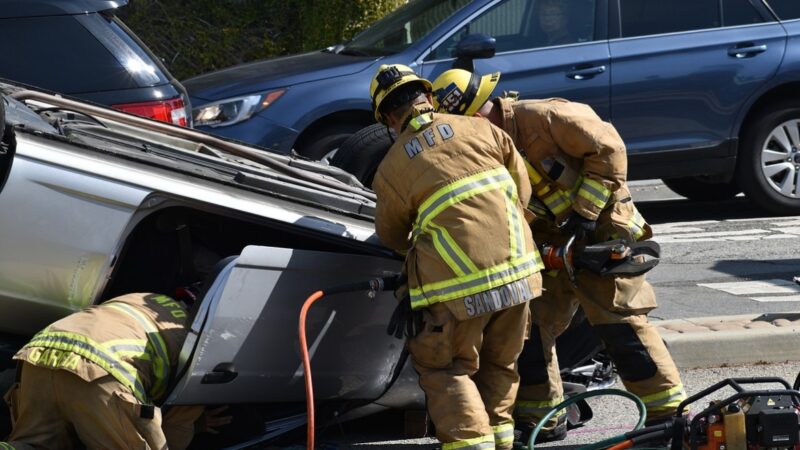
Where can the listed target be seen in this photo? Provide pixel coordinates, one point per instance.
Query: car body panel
(95, 197)
(252, 324)
(684, 90)
(81, 49)
(274, 73)
(27, 8)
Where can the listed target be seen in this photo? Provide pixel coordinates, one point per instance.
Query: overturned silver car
(97, 203)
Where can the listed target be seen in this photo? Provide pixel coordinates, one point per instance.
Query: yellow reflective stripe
(504, 434)
(91, 350)
(595, 192)
(6, 446)
(533, 174)
(516, 236)
(459, 191)
(450, 251)
(478, 443)
(160, 362)
(421, 120)
(668, 399)
(636, 225)
(484, 280)
(558, 202)
(537, 408)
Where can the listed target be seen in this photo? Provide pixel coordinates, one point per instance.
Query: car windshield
(402, 28)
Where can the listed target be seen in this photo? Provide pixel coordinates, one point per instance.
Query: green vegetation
(197, 36)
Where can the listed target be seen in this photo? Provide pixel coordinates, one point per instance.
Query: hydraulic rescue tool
(607, 259)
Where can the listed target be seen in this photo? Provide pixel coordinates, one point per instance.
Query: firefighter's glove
(577, 225)
(404, 322)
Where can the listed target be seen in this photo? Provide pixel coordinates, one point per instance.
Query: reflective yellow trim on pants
(479, 443)
(595, 192)
(160, 361)
(6, 446)
(664, 401)
(536, 409)
(503, 433)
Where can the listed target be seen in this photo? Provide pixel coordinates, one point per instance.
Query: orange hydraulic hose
(622, 445)
(307, 366)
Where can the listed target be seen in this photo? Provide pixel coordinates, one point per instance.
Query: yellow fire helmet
(388, 78)
(459, 91)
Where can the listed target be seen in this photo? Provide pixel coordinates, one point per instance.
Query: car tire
(361, 153)
(326, 140)
(768, 166)
(697, 188)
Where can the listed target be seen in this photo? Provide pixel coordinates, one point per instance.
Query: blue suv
(706, 93)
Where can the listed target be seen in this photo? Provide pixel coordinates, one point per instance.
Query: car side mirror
(471, 47)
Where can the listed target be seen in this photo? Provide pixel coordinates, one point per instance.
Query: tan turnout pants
(50, 409)
(616, 308)
(468, 372)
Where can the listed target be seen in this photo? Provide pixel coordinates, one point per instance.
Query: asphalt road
(718, 258)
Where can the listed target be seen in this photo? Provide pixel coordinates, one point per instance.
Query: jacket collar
(509, 121)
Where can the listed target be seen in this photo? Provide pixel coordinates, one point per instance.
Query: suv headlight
(233, 110)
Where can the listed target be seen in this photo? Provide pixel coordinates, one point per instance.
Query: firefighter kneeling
(99, 374)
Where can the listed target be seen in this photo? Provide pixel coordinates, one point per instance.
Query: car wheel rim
(780, 159)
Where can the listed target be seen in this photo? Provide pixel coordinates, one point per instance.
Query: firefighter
(98, 375)
(577, 167)
(443, 184)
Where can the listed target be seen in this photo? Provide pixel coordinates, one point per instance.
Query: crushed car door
(247, 346)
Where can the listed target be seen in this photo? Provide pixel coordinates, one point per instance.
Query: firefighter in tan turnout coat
(451, 192)
(99, 374)
(577, 167)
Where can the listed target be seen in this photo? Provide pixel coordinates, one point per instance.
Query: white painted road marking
(749, 288)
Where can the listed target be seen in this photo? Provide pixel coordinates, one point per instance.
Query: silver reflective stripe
(516, 222)
(83, 348)
(439, 235)
(127, 348)
(427, 214)
(490, 279)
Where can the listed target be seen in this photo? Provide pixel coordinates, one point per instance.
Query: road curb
(732, 340)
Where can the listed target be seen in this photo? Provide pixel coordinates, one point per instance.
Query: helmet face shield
(387, 79)
(461, 92)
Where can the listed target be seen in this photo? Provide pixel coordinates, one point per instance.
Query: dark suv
(706, 93)
(79, 48)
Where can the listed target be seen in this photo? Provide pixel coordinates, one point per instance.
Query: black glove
(577, 225)
(404, 321)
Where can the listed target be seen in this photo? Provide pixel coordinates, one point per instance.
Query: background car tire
(362, 152)
(325, 140)
(696, 188)
(759, 176)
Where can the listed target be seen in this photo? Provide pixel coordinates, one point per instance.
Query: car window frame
(615, 22)
(600, 23)
(768, 7)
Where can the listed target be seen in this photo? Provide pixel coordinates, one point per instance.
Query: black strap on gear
(472, 91)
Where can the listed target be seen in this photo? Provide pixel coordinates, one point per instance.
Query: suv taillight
(171, 111)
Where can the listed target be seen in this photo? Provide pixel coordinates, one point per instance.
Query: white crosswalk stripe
(777, 287)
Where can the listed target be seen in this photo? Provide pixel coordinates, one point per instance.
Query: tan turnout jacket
(575, 150)
(450, 193)
(144, 331)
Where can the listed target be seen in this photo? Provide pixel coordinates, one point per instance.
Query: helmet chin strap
(417, 109)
